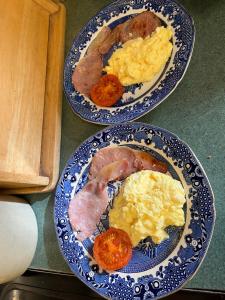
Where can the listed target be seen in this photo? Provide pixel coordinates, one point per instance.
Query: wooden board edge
(7, 180)
(49, 5)
(58, 33)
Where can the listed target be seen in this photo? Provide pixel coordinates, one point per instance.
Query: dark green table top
(195, 112)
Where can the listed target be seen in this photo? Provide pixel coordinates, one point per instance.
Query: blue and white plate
(140, 98)
(154, 270)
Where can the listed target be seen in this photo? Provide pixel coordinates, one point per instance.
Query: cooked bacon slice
(89, 70)
(141, 25)
(99, 40)
(87, 73)
(87, 206)
(137, 160)
(145, 161)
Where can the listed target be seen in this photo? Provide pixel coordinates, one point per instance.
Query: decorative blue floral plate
(154, 271)
(140, 98)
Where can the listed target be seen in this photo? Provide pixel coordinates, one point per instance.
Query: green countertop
(195, 112)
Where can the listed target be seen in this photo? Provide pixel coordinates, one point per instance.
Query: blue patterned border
(178, 267)
(174, 15)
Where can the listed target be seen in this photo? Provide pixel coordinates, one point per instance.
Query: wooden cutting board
(31, 60)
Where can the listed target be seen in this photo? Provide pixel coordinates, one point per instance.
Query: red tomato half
(112, 249)
(107, 91)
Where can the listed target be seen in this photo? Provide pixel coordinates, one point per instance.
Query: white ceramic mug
(18, 237)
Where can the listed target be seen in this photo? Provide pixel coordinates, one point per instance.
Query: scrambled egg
(147, 203)
(139, 60)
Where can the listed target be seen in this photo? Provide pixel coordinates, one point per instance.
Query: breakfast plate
(154, 271)
(141, 98)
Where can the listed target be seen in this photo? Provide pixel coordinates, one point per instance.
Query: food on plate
(89, 70)
(112, 249)
(108, 164)
(137, 160)
(147, 203)
(99, 40)
(87, 206)
(107, 91)
(141, 25)
(139, 60)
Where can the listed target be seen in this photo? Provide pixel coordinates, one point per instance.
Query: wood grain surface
(31, 60)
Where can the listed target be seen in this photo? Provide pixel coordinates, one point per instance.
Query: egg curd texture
(139, 60)
(147, 203)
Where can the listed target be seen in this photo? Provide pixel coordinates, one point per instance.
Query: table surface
(195, 111)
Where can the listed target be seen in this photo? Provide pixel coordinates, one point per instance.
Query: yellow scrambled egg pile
(147, 203)
(139, 60)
